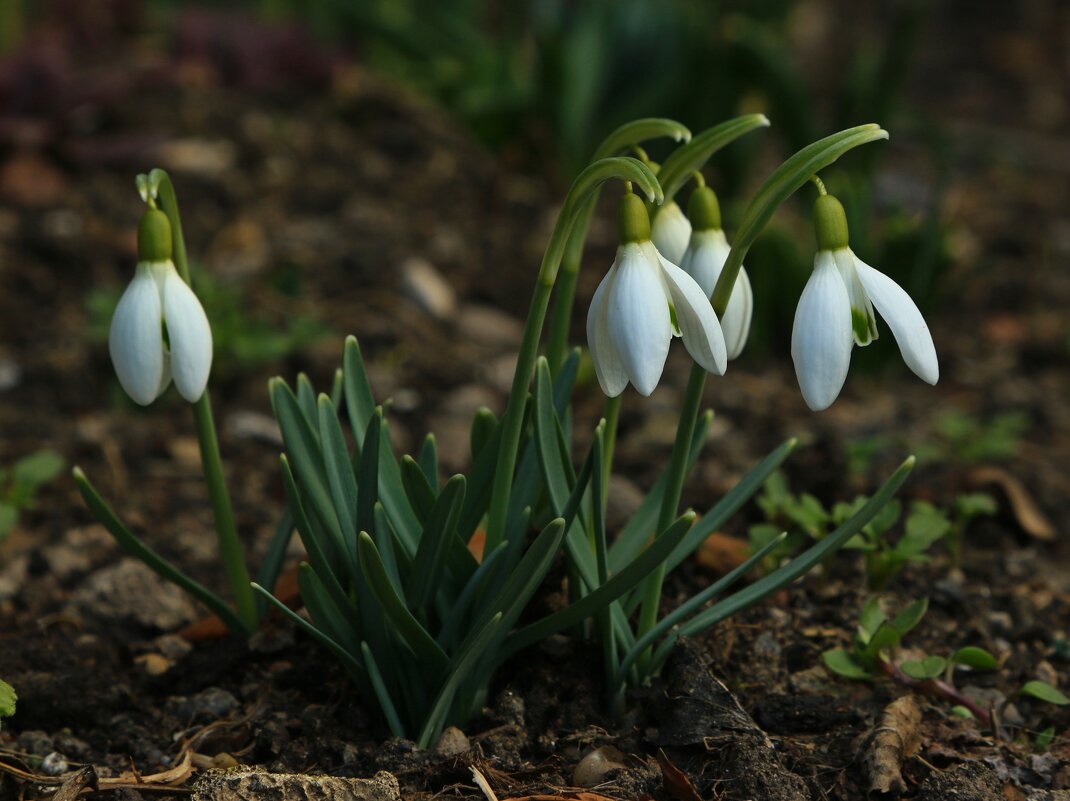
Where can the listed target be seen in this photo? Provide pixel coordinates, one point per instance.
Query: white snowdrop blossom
(836, 312)
(670, 232)
(157, 297)
(631, 320)
(703, 260)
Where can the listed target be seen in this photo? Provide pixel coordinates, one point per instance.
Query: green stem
(583, 189)
(230, 547)
(611, 414)
(628, 135)
(685, 430)
(560, 320)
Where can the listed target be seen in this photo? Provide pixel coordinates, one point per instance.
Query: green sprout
(872, 654)
(20, 484)
(805, 518)
(7, 701)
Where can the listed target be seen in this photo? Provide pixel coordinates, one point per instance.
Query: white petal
(135, 340)
(907, 324)
(863, 321)
(607, 364)
(699, 327)
(670, 231)
(190, 336)
(704, 257)
(638, 318)
(821, 338)
(736, 321)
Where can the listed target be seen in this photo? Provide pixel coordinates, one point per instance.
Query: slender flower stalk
(230, 546)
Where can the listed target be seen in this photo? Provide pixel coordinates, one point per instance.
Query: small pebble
(55, 764)
(592, 769)
(452, 742)
(154, 664)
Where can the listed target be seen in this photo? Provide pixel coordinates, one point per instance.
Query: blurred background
(390, 168)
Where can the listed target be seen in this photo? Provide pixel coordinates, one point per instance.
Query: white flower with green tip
(643, 301)
(156, 298)
(836, 312)
(670, 231)
(704, 259)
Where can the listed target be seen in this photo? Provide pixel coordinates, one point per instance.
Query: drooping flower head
(145, 355)
(835, 312)
(671, 231)
(704, 259)
(643, 301)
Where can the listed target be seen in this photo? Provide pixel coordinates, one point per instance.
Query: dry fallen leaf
(1033, 521)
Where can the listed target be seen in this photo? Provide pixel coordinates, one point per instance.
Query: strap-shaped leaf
(469, 657)
(360, 403)
(385, 539)
(797, 567)
(338, 624)
(417, 489)
(688, 158)
(306, 399)
(557, 470)
(692, 605)
(429, 564)
(722, 511)
(368, 473)
(484, 426)
(640, 528)
(452, 627)
(406, 625)
(527, 575)
(340, 478)
(352, 665)
(274, 557)
(303, 447)
(428, 460)
(316, 542)
(138, 549)
(631, 576)
(386, 703)
(360, 407)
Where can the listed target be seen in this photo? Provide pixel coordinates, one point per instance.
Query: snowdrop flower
(835, 312)
(641, 303)
(144, 360)
(670, 232)
(705, 257)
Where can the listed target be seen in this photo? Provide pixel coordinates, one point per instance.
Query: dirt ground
(312, 189)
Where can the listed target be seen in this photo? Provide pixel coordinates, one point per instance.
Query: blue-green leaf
(406, 625)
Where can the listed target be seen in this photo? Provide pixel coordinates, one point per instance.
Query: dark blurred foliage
(541, 82)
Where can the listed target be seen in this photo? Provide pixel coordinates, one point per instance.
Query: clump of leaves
(804, 517)
(872, 654)
(7, 701)
(19, 485)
